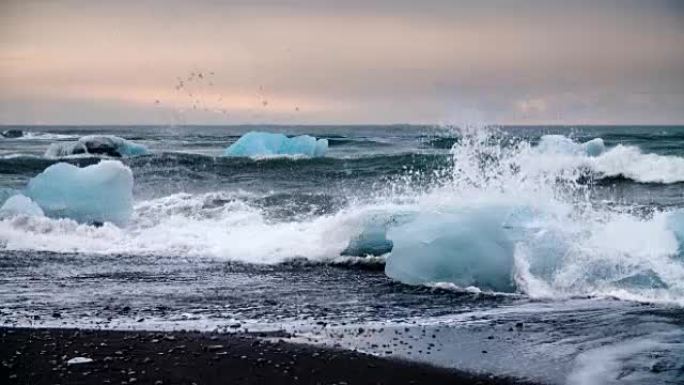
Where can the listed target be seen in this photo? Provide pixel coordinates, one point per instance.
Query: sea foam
(557, 153)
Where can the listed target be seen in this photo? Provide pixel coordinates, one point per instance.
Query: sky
(342, 62)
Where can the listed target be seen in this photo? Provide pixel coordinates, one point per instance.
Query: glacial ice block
(371, 241)
(6, 193)
(559, 144)
(257, 144)
(97, 145)
(466, 247)
(98, 193)
(675, 223)
(20, 205)
(594, 147)
(372, 236)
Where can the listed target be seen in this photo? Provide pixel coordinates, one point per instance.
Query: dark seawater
(215, 242)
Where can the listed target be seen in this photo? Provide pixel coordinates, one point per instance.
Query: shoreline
(40, 356)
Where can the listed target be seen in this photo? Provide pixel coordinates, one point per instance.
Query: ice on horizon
(560, 144)
(264, 144)
(109, 145)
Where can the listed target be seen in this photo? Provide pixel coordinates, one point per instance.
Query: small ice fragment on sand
(79, 360)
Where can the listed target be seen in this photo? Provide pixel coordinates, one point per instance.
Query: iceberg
(259, 144)
(20, 205)
(6, 193)
(562, 145)
(466, 247)
(594, 147)
(62, 149)
(95, 194)
(109, 145)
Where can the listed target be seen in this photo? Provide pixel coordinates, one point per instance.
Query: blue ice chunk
(372, 238)
(122, 146)
(371, 241)
(675, 222)
(98, 193)
(6, 193)
(559, 144)
(97, 145)
(258, 144)
(20, 205)
(62, 149)
(466, 247)
(594, 147)
(647, 279)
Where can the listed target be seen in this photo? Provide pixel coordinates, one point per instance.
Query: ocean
(539, 252)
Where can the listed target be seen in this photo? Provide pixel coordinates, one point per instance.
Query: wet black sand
(39, 356)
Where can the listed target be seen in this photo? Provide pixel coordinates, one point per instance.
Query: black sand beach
(40, 356)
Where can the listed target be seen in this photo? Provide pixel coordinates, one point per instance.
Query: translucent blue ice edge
(476, 247)
(95, 194)
(256, 144)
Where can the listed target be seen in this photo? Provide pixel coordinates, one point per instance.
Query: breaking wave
(557, 153)
(503, 215)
